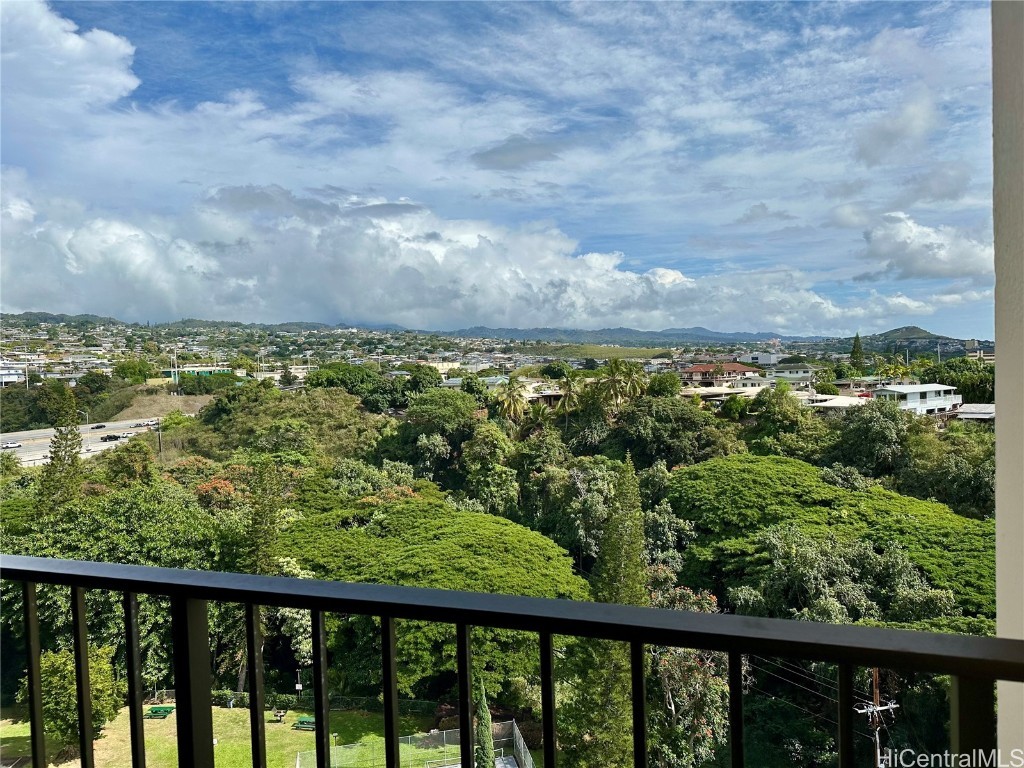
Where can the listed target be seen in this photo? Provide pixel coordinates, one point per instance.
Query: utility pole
(874, 712)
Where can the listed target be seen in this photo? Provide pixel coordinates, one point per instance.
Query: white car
(10, 445)
(126, 435)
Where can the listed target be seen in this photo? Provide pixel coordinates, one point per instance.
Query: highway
(35, 443)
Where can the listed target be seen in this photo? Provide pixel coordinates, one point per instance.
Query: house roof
(978, 411)
(726, 368)
(910, 388)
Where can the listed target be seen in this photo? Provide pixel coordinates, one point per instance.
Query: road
(35, 443)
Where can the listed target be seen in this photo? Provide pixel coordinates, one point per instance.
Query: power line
(807, 711)
(812, 677)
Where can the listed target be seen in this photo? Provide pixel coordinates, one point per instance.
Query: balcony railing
(974, 662)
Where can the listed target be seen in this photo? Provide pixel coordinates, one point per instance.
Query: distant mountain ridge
(909, 336)
(621, 336)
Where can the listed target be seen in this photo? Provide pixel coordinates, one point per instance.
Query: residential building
(921, 399)
(794, 372)
(760, 358)
(714, 375)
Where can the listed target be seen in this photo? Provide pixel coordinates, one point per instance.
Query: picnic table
(305, 723)
(279, 715)
(159, 712)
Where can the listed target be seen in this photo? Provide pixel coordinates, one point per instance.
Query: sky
(801, 168)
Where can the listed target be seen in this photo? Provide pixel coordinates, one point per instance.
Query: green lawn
(231, 729)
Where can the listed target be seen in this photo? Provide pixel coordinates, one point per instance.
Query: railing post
(190, 630)
(37, 738)
(639, 678)
(735, 709)
(390, 684)
(81, 646)
(845, 713)
(464, 663)
(972, 721)
(321, 703)
(547, 698)
(133, 666)
(254, 662)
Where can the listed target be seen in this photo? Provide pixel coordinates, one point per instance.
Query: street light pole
(86, 414)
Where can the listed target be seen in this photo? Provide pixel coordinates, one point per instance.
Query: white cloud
(267, 254)
(903, 129)
(905, 249)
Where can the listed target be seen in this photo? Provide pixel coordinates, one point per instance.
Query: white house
(921, 399)
(760, 358)
(794, 372)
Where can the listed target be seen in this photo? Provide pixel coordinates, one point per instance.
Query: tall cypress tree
(60, 481)
(857, 354)
(484, 747)
(596, 727)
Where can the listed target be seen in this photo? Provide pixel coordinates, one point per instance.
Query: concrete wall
(1008, 197)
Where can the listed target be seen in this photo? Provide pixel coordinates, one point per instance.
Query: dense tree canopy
(731, 501)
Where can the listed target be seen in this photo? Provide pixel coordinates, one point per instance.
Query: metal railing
(975, 663)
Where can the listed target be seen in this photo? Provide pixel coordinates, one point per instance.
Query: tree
(691, 685)
(664, 385)
(130, 463)
(671, 430)
(288, 378)
(61, 479)
(473, 385)
(857, 354)
(874, 438)
(510, 400)
(559, 369)
(570, 399)
(596, 727)
(484, 737)
(243, 362)
(60, 713)
(134, 369)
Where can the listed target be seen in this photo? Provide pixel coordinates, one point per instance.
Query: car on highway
(98, 426)
(109, 438)
(10, 445)
(126, 435)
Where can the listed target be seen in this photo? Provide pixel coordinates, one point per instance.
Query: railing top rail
(970, 656)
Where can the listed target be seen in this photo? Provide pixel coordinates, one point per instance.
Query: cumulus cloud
(905, 249)
(269, 254)
(761, 212)
(905, 128)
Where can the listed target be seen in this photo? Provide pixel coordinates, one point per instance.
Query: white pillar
(1008, 212)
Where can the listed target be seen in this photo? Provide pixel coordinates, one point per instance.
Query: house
(921, 399)
(714, 375)
(760, 358)
(749, 381)
(977, 412)
(794, 372)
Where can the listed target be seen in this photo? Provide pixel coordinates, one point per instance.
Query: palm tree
(536, 419)
(511, 400)
(613, 385)
(624, 381)
(571, 388)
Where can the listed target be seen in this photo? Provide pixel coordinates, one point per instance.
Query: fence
(974, 663)
(304, 700)
(436, 749)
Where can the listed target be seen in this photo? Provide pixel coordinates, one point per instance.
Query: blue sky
(797, 167)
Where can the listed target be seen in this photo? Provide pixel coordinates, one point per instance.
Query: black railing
(974, 662)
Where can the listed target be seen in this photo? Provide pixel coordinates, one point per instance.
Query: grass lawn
(231, 729)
